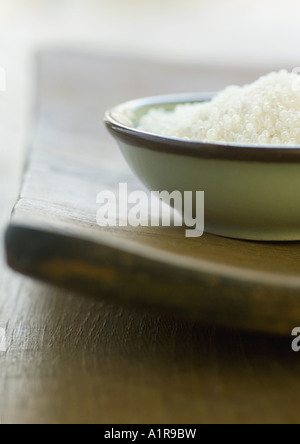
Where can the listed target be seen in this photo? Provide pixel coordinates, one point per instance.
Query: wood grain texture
(73, 359)
(132, 277)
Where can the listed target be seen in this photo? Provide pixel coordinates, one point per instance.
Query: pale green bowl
(251, 192)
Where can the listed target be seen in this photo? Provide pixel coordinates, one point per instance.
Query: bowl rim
(204, 150)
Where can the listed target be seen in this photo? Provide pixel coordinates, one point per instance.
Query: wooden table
(72, 359)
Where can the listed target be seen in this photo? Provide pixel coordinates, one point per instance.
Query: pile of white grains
(265, 112)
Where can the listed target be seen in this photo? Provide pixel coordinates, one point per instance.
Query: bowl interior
(130, 113)
(122, 121)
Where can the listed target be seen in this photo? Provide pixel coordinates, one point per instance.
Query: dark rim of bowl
(218, 151)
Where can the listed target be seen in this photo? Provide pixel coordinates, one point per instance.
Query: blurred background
(218, 32)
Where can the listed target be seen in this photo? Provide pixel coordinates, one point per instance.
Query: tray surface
(54, 236)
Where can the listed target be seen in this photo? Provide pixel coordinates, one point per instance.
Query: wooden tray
(54, 237)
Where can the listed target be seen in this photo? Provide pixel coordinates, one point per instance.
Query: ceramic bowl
(251, 192)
